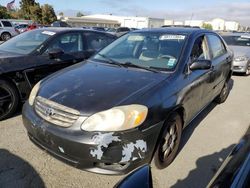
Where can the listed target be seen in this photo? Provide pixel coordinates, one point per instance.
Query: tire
(221, 98)
(248, 69)
(5, 36)
(9, 99)
(169, 142)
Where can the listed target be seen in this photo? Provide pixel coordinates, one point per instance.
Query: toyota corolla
(128, 104)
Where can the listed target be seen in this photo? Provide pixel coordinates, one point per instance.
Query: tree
(207, 26)
(36, 13)
(79, 14)
(4, 14)
(61, 14)
(48, 14)
(25, 8)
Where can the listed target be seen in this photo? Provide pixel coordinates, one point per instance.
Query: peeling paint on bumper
(99, 152)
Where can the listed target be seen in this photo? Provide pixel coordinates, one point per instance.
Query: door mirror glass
(200, 65)
(55, 53)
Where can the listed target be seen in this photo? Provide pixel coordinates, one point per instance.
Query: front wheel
(223, 94)
(169, 142)
(9, 99)
(5, 36)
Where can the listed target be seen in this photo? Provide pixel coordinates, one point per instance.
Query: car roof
(66, 29)
(175, 30)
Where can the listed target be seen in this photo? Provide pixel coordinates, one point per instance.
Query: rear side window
(216, 46)
(97, 41)
(6, 24)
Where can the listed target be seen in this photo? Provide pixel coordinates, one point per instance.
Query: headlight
(116, 119)
(34, 93)
(241, 58)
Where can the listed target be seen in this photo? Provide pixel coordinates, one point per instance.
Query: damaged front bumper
(99, 152)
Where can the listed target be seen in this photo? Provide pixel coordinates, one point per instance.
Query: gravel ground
(206, 143)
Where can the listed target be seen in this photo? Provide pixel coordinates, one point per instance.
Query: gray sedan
(240, 44)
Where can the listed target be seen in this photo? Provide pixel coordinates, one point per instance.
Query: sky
(237, 10)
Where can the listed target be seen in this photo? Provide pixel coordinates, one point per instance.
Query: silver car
(7, 30)
(240, 44)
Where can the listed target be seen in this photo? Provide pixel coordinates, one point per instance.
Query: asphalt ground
(205, 144)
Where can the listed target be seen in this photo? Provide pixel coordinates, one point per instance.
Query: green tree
(79, 14)
(61, 14)
(4, 14)
(207, 26)
(48, 14)
(25, 8)
(36, 13)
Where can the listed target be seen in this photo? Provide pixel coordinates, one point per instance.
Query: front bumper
(99, 152)
(240, 66)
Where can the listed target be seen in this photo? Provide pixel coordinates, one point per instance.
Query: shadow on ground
(15, 172)
(206, 168)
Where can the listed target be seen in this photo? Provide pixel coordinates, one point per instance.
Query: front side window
(146, 49)
(200, 50)
(27, 42)
(243, 40)
(69, 43)
(216, 46)
(97, 41)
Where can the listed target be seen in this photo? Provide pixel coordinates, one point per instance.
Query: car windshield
(27, 42)
(146, 49)
(243, 40)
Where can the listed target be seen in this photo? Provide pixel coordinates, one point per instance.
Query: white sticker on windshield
(135, 38)
(245, 36)
(48, 33)
(172, 37)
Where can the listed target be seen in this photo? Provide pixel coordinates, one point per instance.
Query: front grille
(55, 113)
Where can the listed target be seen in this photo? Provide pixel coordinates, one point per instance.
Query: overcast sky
(238, 10)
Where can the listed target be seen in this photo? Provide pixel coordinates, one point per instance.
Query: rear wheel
(9, 99)
(169, 142)
(223, 94)
(5, 36)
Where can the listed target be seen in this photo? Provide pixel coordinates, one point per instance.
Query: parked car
(7, 30)
(31, 56)
(119, 31)
(240, 44)
(235, 171)
(129, 103)
(99, 28)
(22, 27)
(60, 24)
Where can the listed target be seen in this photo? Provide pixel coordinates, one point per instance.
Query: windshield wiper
(129, 64)
(110, 60)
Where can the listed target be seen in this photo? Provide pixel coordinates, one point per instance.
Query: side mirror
(139, 178)
(55, 53)
(200, 65)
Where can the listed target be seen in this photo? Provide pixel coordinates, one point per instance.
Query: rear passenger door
(96, 41)
(220, 65)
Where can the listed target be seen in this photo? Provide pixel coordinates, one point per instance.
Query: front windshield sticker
(172, 37)
(171, 62)
(135, 38)
(48, 33)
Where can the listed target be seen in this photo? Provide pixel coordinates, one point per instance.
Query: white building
(232, 26)
(130, 21)
(89, 22)
(194, 23)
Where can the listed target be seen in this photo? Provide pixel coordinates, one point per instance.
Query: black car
(29, 57)
(235, 171)
(128, 104)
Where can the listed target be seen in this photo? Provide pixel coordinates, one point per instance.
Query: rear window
(6, 24)
(243, 40)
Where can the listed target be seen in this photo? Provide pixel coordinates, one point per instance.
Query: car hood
(240, 50)
(91, 87)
